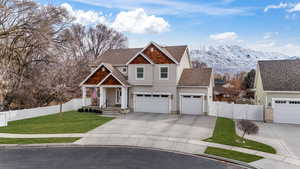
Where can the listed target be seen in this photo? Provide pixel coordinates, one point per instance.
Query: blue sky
(267, 25)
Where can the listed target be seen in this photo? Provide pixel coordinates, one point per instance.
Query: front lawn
(66, 122)
(224, 133)
(235, 155)
(37, 140)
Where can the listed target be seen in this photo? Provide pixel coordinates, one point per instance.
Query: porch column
(124, 104)
(83, 89)
(102, 97)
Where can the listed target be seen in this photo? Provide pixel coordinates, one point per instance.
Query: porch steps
(111, 110)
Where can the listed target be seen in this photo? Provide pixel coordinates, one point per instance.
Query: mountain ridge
(233, 58)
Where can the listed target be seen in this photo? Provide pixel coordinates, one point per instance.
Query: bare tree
(28, 37)
(199, 64)
(82, 46)
(247, 127)
(42, 57)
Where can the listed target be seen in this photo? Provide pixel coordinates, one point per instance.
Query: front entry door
(118, 96)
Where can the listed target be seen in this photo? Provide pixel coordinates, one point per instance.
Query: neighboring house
(155, 79)
(277, 85)
(225, 94)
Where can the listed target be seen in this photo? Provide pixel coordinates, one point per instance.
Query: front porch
(105, 97)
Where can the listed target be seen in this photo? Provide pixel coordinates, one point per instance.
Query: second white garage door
(286, 111)
(192, 104)
(151, 103)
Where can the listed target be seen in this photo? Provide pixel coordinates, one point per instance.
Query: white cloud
(270, 35)
(137, 21)
(85, 17)
(271, 46)
(295, 8)
(224, 36)
(281, 5)
(290, 7)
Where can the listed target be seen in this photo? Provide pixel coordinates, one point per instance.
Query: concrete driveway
(166, 125)
(284, 137)
(146, 129)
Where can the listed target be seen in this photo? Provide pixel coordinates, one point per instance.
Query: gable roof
(122, 56)
(117, 74)
(195, 77)
(113, 72)
(280, 75)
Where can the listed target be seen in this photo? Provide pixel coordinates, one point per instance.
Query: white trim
(89, 86)
(192, 94)
(111, 86)
(152, 93)
(94, 71)
(163, 66)
(270, 91)
(136, 67)
(195, 86)
(136, 55)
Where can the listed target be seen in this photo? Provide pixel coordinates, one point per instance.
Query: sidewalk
(186, 145)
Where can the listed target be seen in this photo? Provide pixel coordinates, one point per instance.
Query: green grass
(66, 122)
(235, 155)
(224, 133)
(37, 140)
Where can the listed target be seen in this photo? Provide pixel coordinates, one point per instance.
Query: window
(164, 96)
(124, 69)
(140, 73)
(164, 72)
(155, 95)
(147, 95)
(139, 95)
(196, 96)
(280, 101)
(187, 96)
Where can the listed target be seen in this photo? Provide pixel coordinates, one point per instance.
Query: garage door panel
(191, 104)
(151, 103)
(287, 111)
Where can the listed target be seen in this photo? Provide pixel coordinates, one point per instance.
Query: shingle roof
(122, 56)
(195, 77)
(280, 75)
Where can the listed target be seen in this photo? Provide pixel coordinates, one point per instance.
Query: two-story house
(155, 78)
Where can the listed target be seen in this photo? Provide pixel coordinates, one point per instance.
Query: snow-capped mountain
(233, 58)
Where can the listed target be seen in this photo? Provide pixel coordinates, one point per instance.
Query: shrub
(248, 127)
(80, 110)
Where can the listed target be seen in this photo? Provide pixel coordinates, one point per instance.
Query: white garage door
(151, 103)
(287, 111)
(192, 104)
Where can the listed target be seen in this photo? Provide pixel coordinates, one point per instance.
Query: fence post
(232, 105)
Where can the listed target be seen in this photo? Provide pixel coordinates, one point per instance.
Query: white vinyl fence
(40, 111)
(236, 111)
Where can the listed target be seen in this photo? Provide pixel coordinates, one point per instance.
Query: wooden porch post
(124, 100)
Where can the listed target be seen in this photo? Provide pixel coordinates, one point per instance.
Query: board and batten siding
(184, 64)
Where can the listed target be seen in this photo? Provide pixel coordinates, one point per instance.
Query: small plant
(80, 110)
(247, 127)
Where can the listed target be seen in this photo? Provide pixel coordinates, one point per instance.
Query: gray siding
(148, 74)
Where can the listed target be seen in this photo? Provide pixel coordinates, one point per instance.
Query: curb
(72, 145)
